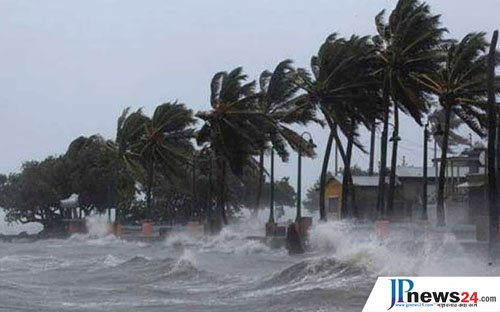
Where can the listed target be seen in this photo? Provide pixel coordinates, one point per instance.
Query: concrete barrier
(382, 227)
(294, 239)
(305, 223)
(275, 230)
(76, 226)
(147, 228)
(116, 229)
(194, 226)
(212, 226)
(271, 228)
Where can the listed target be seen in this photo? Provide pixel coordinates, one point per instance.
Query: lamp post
(424, 190)
(299, 176)
(271, 204)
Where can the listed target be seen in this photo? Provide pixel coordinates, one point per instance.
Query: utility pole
(271, 204)
(424, 190)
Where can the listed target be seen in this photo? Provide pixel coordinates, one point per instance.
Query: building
(365, 190)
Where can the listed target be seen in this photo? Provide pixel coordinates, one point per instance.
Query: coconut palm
(342, 88)
(160, 142)
(436, 122)
(492, 140)
(278, 102)
(232, 129)
(460, 85)
(406, 45)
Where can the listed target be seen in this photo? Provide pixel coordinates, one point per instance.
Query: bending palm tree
(277, 102)
(405, 45)
(233, 129)
(341, 81)
(162, 140)
(460, 84)
(437, 120)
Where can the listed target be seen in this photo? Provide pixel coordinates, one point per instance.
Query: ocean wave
(403, 252)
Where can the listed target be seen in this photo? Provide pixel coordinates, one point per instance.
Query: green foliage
(243, 193)
(233, 129)
(342, 84)
(279, 103)
(89, 168)
(33, 194)
(311, 201)
(460, 81)
(157, 144)
(406, 46)
(437, 122)
(97, 174)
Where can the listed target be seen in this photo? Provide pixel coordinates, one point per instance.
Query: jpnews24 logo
(434, 294)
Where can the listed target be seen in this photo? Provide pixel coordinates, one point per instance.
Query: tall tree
(97, 174)
(233, 129)
(277, 101)
(460, 85)
(341, 81)
(160, 141)
(406, 45)
(33, 194)
(437, 120)
(492, 132)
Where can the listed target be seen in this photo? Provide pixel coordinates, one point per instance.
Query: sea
(226, 272)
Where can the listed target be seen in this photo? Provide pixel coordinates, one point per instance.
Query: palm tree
(232, 129)
(160, 141)
(278, 102)
(341, 80)
(406, 45)
(492, 132)
(437, 120)
(460, 85)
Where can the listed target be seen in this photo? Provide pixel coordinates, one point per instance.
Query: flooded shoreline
(227, 272)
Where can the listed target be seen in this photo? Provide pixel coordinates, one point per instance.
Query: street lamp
(299, 177)
(271, 186)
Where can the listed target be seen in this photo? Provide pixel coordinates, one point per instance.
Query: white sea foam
(427, 252)
(16, 228)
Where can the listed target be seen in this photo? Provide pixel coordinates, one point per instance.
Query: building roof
(418, 172)
(471, 184)
(70, 202)
(366, 180)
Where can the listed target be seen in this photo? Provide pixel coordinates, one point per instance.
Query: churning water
(228, 272)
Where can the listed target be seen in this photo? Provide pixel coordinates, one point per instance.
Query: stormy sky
(68, 68)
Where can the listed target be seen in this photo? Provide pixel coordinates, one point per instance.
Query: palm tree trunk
(346, 181)
(324, 170)
(260, 182)
(210, 201)
(394, 159)
(149, 189)
(223, 193)
(372, 149)
(492, 128)
(442, 169)
(383, 155)
(333, 135)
